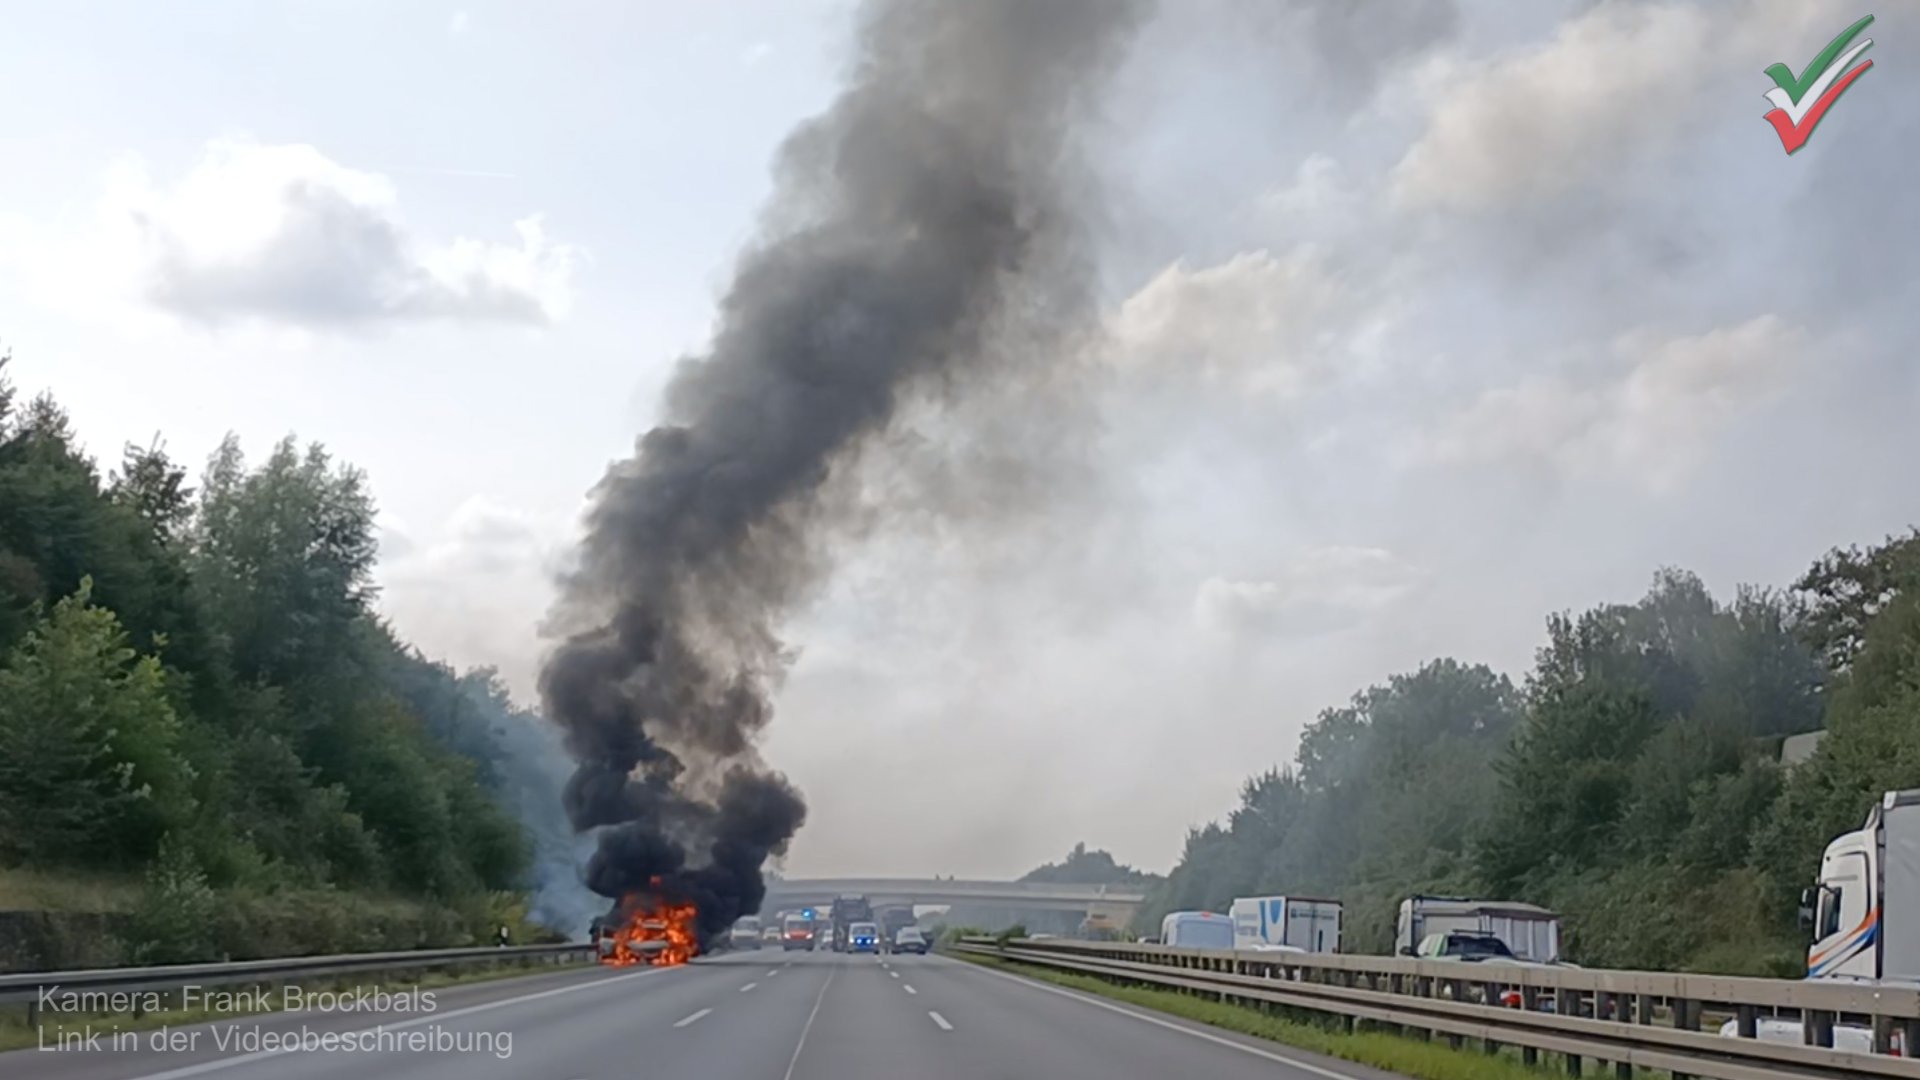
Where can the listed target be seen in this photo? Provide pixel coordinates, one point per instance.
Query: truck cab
(1863, 874)
(1861, 911)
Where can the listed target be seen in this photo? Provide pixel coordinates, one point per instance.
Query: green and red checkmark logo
(1800, 101)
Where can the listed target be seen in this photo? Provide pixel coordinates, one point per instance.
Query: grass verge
(16, 1033)
(1379, 1049)
(33, 890)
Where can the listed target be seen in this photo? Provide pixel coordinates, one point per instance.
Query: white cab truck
(1197, 930)
(1286, 923)
(1865, 914)
(1531, 933)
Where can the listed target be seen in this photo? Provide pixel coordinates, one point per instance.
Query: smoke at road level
(921, 230)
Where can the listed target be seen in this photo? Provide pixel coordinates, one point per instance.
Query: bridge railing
(1630, 1018)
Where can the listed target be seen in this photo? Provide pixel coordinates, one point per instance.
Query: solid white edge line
(798, 1046)
(684, 1021)
(1304, 1066)
(941, 1020)
(261, 1055)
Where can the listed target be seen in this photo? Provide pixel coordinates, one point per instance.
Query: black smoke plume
(918, 227)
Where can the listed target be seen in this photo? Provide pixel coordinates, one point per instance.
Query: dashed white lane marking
(772, 973)
(941, 1020)
(691, 1019)
(895, 974)
(1303, 1066)
(748, 987)
(908, 987)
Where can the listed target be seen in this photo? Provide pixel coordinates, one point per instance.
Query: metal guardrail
(1632, 1019)
(27, 986)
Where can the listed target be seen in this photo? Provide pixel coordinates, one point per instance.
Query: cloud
(1528, 125)
(1323, 590)
(1257, 320)
(1321, 190)
(1655, 420)
(283, 235)
(474, 591)
(460, 23)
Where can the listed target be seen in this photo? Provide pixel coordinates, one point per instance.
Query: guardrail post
(1816, 1027)
(1686, 1017)
(1910, 1037)
(1530, 1001)
(1882, 1034)
(1746, 1020)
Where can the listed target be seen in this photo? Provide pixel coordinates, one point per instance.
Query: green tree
(284, 555)
(88, 767)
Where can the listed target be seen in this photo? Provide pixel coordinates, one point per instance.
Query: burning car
(648, 929)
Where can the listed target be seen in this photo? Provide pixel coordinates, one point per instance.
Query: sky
(1417, 323)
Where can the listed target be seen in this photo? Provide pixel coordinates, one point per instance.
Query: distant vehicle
(846, 911)
(745, 933)
(770, 935)
(1470, 948)
(799, 934)
(1456, 945)
(1041, 937)
(1531, 933)
(1286, 923)
(1197, 930)
(910, 939)
(863, 937)
(893, 919)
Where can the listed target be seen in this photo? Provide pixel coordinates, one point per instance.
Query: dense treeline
(1632, 782)
(1082, 866)
(193, 682)
(1089, 867)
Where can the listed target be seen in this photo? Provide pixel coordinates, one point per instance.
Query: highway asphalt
(765, 1015)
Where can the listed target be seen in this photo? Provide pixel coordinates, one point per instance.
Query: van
(1197, 930)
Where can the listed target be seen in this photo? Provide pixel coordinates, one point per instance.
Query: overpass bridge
(1116, 902)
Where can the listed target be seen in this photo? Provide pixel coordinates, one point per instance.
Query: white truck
(1286, 923)
(1869, 887)
(1532, 933)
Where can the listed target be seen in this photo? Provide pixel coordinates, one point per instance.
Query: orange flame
(656, 931)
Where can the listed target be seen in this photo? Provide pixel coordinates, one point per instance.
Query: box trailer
(1531, 932)
(1308, 924)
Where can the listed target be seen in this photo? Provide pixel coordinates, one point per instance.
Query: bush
(174, 922)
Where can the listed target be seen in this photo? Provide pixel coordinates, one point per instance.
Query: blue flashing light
(808, 913)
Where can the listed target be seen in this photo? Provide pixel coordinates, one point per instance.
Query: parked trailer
(1531, 932)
